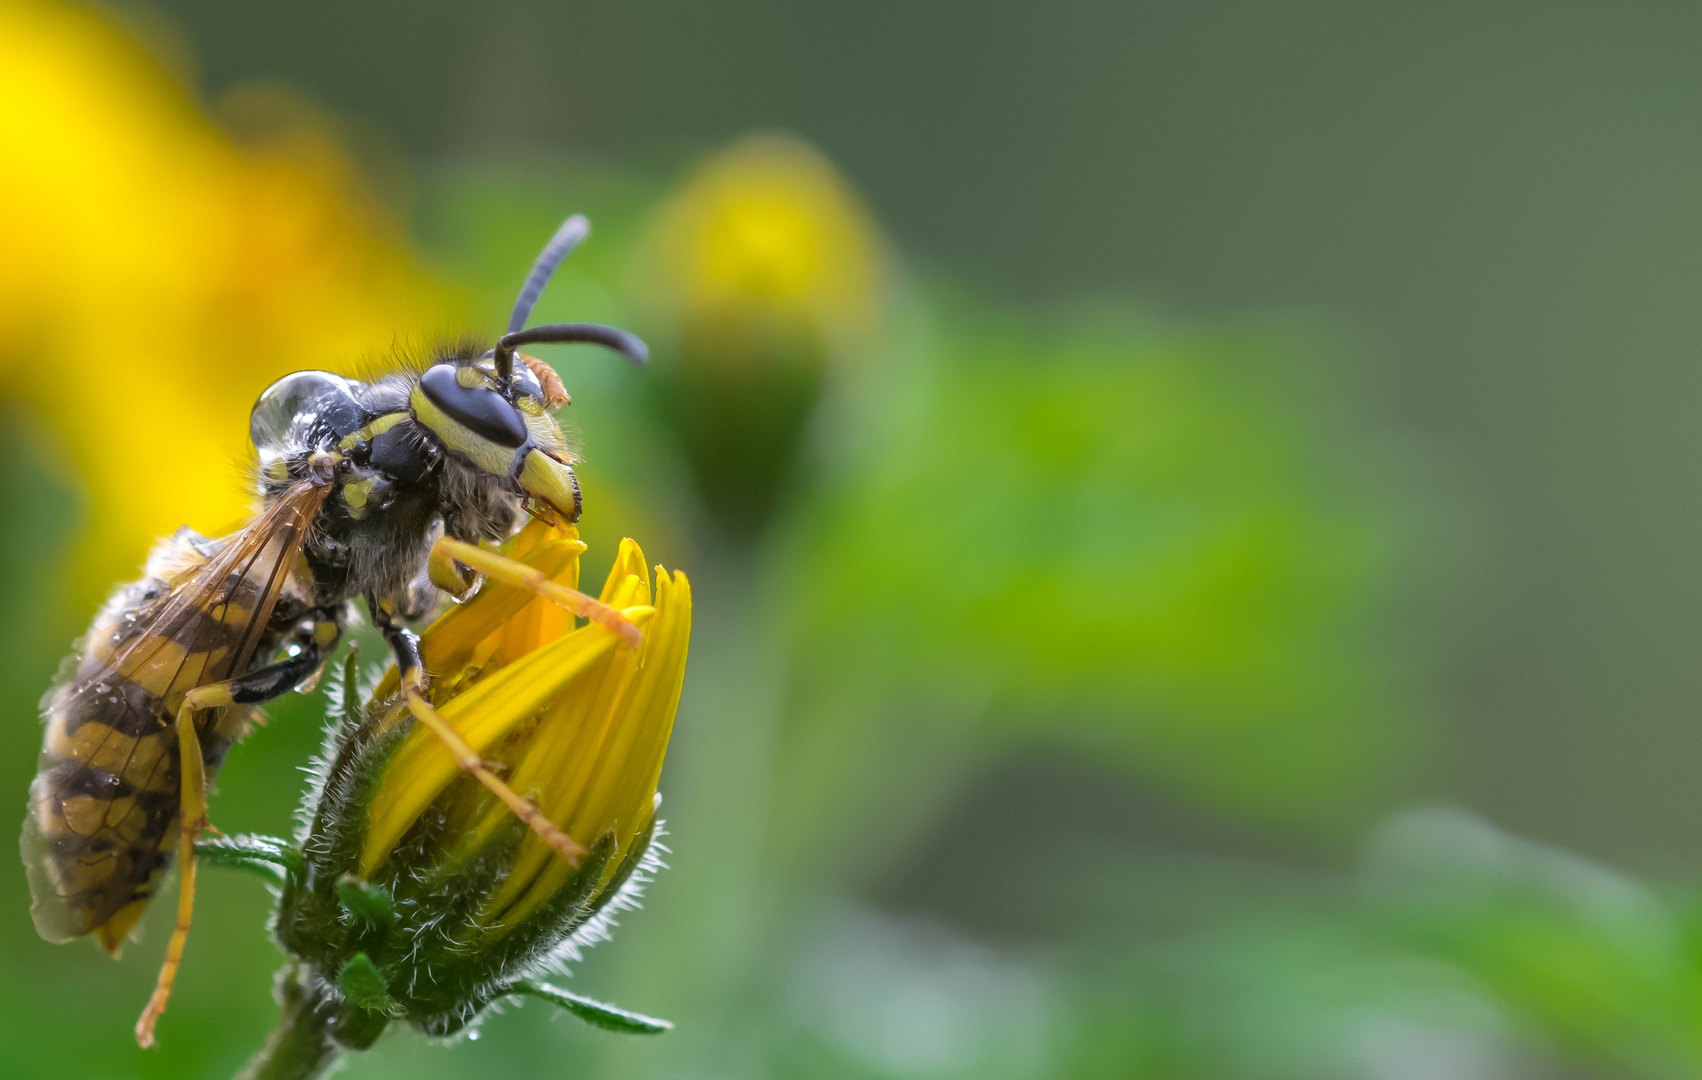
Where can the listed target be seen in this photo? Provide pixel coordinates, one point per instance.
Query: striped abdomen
(103, 815)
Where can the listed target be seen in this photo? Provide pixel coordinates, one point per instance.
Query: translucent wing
(104, 804)
(207, 626)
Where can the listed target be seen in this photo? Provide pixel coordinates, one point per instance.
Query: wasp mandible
(380, 490)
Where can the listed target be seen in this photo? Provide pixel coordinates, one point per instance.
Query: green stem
(300, 1047)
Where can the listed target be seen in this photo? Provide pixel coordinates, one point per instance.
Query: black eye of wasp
(477, 408)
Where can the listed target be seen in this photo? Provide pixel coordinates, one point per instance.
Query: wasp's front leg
(509, 571)
(449, 575)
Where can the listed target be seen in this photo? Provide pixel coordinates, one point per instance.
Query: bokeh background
(1190, 506)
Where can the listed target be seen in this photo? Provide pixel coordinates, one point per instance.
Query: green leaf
(604, 1016)
(267, 856)
(1170, 546)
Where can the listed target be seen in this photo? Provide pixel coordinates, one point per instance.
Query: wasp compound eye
(479, 409)
(311, 402)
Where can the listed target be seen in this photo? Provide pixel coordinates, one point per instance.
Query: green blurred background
(1218, 613)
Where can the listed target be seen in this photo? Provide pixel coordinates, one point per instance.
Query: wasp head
(500, 422)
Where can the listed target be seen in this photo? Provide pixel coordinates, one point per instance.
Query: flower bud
(418, 894)
(762, 270)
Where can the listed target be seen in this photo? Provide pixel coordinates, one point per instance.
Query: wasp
(379, 491)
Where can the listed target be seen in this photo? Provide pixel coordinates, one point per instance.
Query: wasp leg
(449, 575)
(512, 572)
(276, 680)
(405, 644)
(192, 819)
(267, 683)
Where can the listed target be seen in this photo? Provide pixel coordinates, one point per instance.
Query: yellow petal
(422, 767)
(629, 779)
(657, 700)
(564, 752)
(629, 562)
(612, 770)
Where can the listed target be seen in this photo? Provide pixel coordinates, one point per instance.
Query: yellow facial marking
(550, 480)
(484, 453)
(372, 431)
(545, 432)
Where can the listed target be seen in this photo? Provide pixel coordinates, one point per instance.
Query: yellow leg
(192, 817)
(447, 574)
(512, 572)
(470, 762)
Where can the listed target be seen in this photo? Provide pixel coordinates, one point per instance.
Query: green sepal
(363, 984)
(368, 905)
(354, 1028)
(267, 856)
(597, 1013)
(347, 708)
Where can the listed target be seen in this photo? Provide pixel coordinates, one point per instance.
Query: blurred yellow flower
(158, 276)
(767, 237)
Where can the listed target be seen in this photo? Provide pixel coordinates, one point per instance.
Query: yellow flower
(768, 237)
(471, 901)
(581, 724)
(157, 276)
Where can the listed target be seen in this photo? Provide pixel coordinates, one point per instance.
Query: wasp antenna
(628, 345)
(561, 245)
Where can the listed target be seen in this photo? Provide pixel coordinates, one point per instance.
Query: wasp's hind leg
(513, 572)
(264, 684)
(406, 645)
(192, 818)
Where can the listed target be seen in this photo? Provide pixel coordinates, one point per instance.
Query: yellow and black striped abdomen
(104, 803)
(103, 814)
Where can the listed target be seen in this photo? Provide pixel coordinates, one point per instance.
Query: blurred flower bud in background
(762, 271)
(420, 896)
